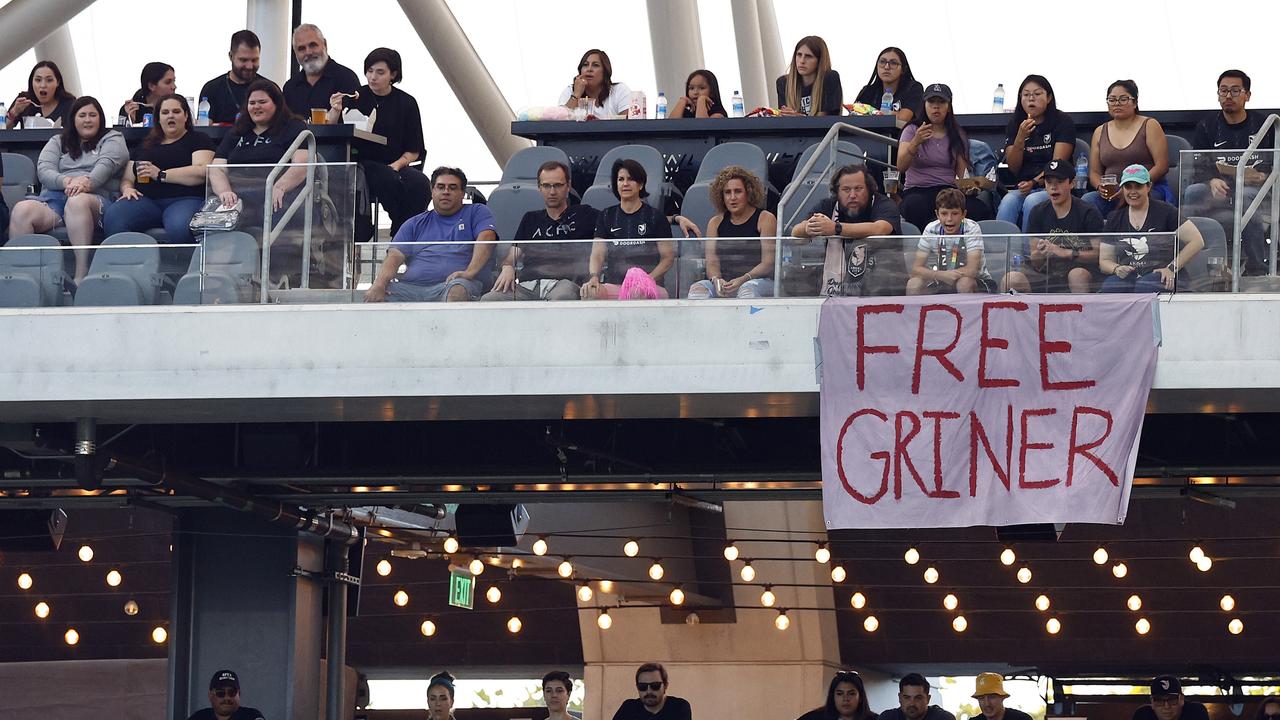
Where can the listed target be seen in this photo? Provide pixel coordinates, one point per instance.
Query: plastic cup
(319, 116)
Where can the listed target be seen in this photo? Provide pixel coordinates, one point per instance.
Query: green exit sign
(462, 589)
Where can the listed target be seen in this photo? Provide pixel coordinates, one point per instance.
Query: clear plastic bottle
(997, 100)
(1082, 172)
(660, 108)
(202, 116)
(739, 108)
(886, 102)
(4, 116)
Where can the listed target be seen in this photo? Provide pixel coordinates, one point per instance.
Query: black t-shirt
(673, 709)
(877, 264)
(1214, 131)
(1190, 711)
(832, 95)
(1037, 151)
(933, 713)
(244, 713)
(59, 112)
(633, 239)
(301, 96)
(909, 96)
(399, 121)
(556, 261)
(226, 97)
(254, 149)
(691, 110)
(1144, 252)
(1082, 219)
(174, 155)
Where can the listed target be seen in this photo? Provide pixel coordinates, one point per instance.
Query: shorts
(56, 200)
(413, 292)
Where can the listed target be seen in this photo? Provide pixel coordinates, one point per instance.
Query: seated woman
(632, 234)
(156, 81)
(594, 82)
(846, 700)
(79, 170)
(164, 185)
(1126, 139)
(401, 189)
(45, 95)
(893, 73)
(742, 266)
(933, 154)
(701, 98)
(1147, 262)
(810, 76)
(1037, 133)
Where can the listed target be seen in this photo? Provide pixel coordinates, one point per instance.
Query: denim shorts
(57, 202)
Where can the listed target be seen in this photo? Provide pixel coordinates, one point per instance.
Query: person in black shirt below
(226, 93)
(1168, 703)
(321, 76)
(1211, 184)
(4, 208)
(402, 189)
(846, 700)
(224, 700)
(913, 702)
(701, 98)
(893, 73)
(654, 703)
(631, 234)
(1064, 256)
(164, 185)
(810, 76)
(1140, 262)
(45, 95)
(157, 80)
(1037, 133)
(988, 690)
(740, 240)
(552, 271)
(856, 265)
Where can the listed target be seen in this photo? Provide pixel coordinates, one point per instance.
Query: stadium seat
(1215, 246)
(523, 166)
(31, 278)
(227, 265)
(509, 203)
(1177, 144)
(19, 175)
(122, 275)
(600, 194)
(997, 247)
(909, 229)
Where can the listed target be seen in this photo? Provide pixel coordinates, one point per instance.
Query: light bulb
(1042, 603)
(428, 628)
(1119, 570)
(677, 596)
(114, 578)
(822, 554)
(631, 548)
(131, 608)
(71, 637)
(747, 573)
(516, 563)
(493, 594)
(1007, 556)
(782, 622)
(401, 598)
(959, 624)
(1143, 626)
(384, 567)
(1100, 556)
(540, 546)
(767, 598)
(931, 575)
(476, 566)
(25, 582)
(42, 609)
(1024, 574)
(1196, 553)
(858, 601)
(730, 552)
(451, 545)
(656, 571)
(1134, 603)
(1052, 626)
(951, 602)
(85, 554)
(838, 574)
(1227, 603)
(159, 635)
(1204, 564)
(606, 586)
(565, 569)
(1235, 627)
(912, 556)
(514, 625)
(604, 621)
(871, 624)
(584, 592)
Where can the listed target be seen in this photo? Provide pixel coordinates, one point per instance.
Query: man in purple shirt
(445, 250)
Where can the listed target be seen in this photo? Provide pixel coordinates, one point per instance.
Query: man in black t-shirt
(224, 700)
(988, 690)
(913, 701)
(1168, 703)
(653, 703)
(321, 76)
(226, 93)
(1064, 257)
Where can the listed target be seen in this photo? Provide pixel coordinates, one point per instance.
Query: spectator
(893, 73)
(933, 154)
(1211, 181)
(557, 686)
(226, 93)
(552, 271)
(846, 700)
(1141, 262)
(1064, 256)
(4, 208)
(740, 240)
(1269, 708)
(45, 96)
(164, 185)
(320, 77)
(440, 695)
(631, 234)
(1126, 139)
(701, 97)
(856, 266)
(445, 250)
(224, 700)
(157, 80)
(988, 690)
(913, 702)
(949, 256)
(810, 76)
(594, 82)
(653, 703)
(79, 170)
(1037, 133)
(401, 188)
(260, 136)
(1168, 702)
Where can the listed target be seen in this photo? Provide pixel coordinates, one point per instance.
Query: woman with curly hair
(740, 240)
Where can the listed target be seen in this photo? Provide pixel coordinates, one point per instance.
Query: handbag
(213, 217)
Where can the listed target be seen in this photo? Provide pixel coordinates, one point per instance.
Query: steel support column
(37, 19)
(776, 56)
(57, 46)
(676, 37)
(270, 19)
(751, 66)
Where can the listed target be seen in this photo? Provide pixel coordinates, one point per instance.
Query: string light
(159, 635)
(25, 582)
(514, 625)
(1008, 557)
(1134, 603)
(71, 637)
(516, 563)
(747, 573)
(838, 574)
(540, 546)
(782, 622)
(1052, 626)
(476, 566)
(1204, 564)
(493, 594)
(931, 575)
(951, 602)
(131, 608)
(1042, 603)
(677, 596)
(959, 624)
(912, 556)
(631, 548)
(451, 545)
(85, 553)
(427, 628)
(384, 567)
(401, 598)
(1024, 574)
(114, 578)
(871, 624)
(822, 554)
(1235, 627)
(858, 601)
(1227, 603)
(584, 592)
(656, 570)
(1143, 626)
(1119, 570)
(731, 552)
(1100, 556)
(565, 569)
(606, 586)
(604, 621)
(42, 610)
(1196, 554)
(767, 598)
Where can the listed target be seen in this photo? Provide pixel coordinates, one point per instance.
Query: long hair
(1051, 110)
(605, 63)
(848, 676)
(72, 143)
(905, 79)
(1129, 86)
(244, 124)
(62, 93)
(713, 86)
(752, 184)
(152, 73)
(795, 85)
(156, 136)
(957, 140)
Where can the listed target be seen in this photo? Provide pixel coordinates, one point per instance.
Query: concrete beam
(37, 19)
(676, 36)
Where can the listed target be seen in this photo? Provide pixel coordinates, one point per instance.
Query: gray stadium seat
(997, 250)
(909, 228)
(523, 166)
(231, 263)
(31, 278)
(1215, 246)
(509, 203)
(600, 194)
(122, 275)
(1177, 144)
(19, 173)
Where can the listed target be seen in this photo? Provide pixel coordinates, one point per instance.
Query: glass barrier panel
(1214, 190)
(124, 270)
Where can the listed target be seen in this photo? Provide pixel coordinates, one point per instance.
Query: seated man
(552, 271)
(913, 701)
(949, 257)
(855, 265)
(1066, 257)
(988, 690)
(227, 92)
(321, 75)
(453, 264)
(1168, 703)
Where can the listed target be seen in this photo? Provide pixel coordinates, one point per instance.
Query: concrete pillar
(777, 56)
(466, 74)
(36, 19)
(271, 21)
(57, 47)
(676, 36)
(757, 84)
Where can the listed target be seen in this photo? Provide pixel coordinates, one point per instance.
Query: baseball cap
(1165, 685)
(1061, 169)
(989, 683)
(1135, 174)
(938, 90)
(224, 678)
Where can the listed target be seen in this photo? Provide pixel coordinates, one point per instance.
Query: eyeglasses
(1231, 92)
(1119, 100)
(1165, 701)
(888, 64)
(552, 186)
(653, 686)
(226, 692)
(1034, 94)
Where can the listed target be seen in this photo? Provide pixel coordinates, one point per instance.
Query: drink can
(639, 108)
(148, 120)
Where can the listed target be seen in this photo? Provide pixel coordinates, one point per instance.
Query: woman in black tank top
(740, 241)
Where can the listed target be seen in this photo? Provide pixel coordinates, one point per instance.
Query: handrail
(268, 234)
(1244, 216)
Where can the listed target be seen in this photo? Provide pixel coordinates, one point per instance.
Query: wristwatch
(161, 176)
(839, 228)
(1172, 266)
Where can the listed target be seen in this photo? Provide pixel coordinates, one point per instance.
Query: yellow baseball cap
(989, 683)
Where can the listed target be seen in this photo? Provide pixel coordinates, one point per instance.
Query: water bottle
(739, 109)
(4, 116)
(1015, 263)
(997, 102)
(202, 117)
(661, 108)
(886, 102)
(1082, 172)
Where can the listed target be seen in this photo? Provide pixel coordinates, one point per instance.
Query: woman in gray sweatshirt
(79, 172)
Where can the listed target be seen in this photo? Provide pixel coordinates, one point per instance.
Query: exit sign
(462, 589)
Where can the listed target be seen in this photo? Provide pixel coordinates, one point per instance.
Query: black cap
(938, 90)
(224, 678)
(1165, 686)
(1061, 169)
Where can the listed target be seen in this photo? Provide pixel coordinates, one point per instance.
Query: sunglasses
(653, 686)
(226, 692)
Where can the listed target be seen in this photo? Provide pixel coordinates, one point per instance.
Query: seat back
(222, 271)
(122, 275)
(995, 253)
(742, 154)
(523, 166)
(1215, 247)
(509, 204)
(600, 194)
(31, 278)
(1004, 227)
(19, 173)
(1177, 144)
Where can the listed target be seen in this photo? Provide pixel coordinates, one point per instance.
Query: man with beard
(653, 703)
(321, 76)
(226, 93)
(1168, 703)
(224, 700)
(913, 702)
